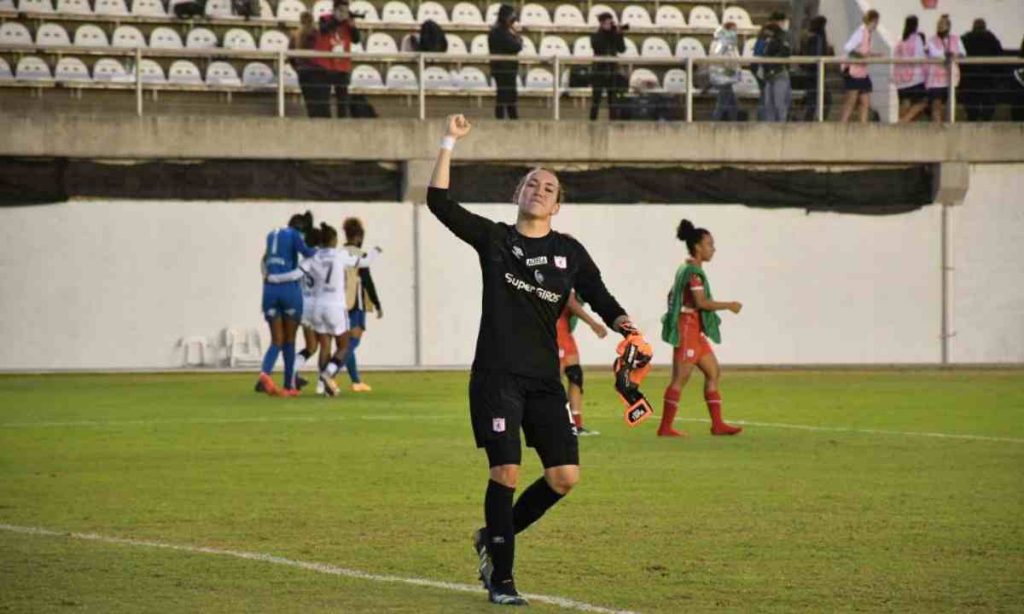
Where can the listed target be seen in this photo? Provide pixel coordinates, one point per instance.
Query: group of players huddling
(535, 282)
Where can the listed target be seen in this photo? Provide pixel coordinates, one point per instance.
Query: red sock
(714, 401)
(577, 419)
(669, 408)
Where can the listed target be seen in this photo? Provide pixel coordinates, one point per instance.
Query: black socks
(532, 504)
(501, 536)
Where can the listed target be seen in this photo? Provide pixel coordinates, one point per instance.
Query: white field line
(324, 568)
(255, 419)
(838, 429)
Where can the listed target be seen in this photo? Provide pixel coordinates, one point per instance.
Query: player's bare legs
(680, 376)
(276, 341)
(708, 364)
(358, 385)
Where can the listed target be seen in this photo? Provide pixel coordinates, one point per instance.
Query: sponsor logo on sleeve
(517, 252)
(538, 261)
(560, 262)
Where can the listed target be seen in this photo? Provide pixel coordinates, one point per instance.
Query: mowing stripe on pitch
(308, 566)
(840, 429)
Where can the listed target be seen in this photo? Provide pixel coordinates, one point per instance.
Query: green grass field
(778, 519)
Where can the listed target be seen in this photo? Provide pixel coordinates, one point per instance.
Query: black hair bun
(685, 230)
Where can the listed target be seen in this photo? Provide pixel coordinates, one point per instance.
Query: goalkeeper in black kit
(528, 271)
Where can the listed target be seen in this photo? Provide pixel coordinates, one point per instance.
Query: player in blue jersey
(282, 299)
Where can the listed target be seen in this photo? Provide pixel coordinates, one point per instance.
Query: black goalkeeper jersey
(526, 284)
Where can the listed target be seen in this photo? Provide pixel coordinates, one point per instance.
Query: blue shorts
(357, 318)
(282, 301)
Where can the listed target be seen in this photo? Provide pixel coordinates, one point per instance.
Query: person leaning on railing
(945, 46)
(505, 39)
(608, 41)
(777, 90)
(725, 76)
(855, 76)
(337, 31)
(310, 75)
(981, 81)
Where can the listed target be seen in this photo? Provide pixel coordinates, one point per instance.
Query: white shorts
(330, 318)
(308, 306)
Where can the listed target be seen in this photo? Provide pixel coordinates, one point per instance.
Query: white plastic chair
(689, 47)
(192, 347)
(669, 17)
(71, 69)
(258, 75)
(739, 16)
(631, 50)
(529, 49)
(635, 15)
(243, 347)
(219, 9)
(492, 13)
(401, 78)
(291, 78)
(466, 13)
(534, 15)
(73, 7)
(747, 86)
(364, 8)
(703, 17)
(436, 78)
(748, 47)
(640, 79)
(554, 46)
(432, 11)
(151, 71)
(321, 8)
(117, 8)
(14, 33)
(35, 6)
(655, 47)
(274, 40)
(456, 46)
(473, 78)
(367, 76)
(289, 10)
(479, 45)
(582, 48)
(598, 9)
(32, 68)
(89, 35)
(569, 15)
(127, 37)
(378, 42)
(675, 81)
(6, 74)
(184, 72)
(164, 38)
(396, 12)
(50, 35)
(108, 70)
(237, 38)
(148, 8)
(222, 73)
(201, 38)
(539, 79)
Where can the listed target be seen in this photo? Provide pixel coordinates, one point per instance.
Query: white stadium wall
(117, 284)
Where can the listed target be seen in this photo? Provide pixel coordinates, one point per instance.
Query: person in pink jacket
(945, 46)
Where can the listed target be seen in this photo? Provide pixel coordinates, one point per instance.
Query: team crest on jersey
(538, 276)
(498, 425)
(517, 252)
(560, 262)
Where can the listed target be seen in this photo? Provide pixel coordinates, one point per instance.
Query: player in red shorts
(569, 356)
(690, 321)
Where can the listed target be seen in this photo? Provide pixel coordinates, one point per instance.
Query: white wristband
(448, 143)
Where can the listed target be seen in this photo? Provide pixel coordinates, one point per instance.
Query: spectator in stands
(505, 39)
(776, 93)
(946, 46)
(816, 45)
(608, 41)
(311, 76)
(187, 9)
(855, 76)
(431, 38)
(337, 32)
(909, 78)
(724, 76)
(980, 80)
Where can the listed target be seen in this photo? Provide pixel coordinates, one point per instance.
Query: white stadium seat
(689, 47)
(321, 8)
(151, 71)
(289, 10)
(184, 72)
(631, 50)
(8, 6)
(456, 45)
(71, 69)
(127, 37)
(748, 86)
(116, 8)
(258, 75)
(366, 76)
(396, 12)
(401, 78)
(466, 13)
(703, 17)
(479, 45)
(237, 38)
(52, 35)
(164, 38)
(408, 43)
(357, 48)
(569, 15)
(473, 78)
(5, 71)
(31, 68)
(219, 9)
(596, 10)
(291, 78)
(201, 38)
(582, 48)
(432, 11)
(655, 47)
(35, 6)
(539, 79)
(748, 47)
(73, 7)
(534, 15)
(378, 42)
(364, 8)
(222, 73)
(554, 46)
(642, 79)
(529, 49)
(89, 35)
(635, 15)
(669, 17)
(14, 33)
(436, 78)
(109, 69)
(148, 8)
(492, 13)
(739, 16)
(675, 81)
(274, 40)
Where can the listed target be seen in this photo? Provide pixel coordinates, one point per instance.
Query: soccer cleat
(726, 429)
(290, 392)
(582, 432)
(671, 432)
(484, 565)
(506, 594)
(269, 386)
(319, 387)
(300, 382)
(259, 387)
(361, 387)
(330, 386)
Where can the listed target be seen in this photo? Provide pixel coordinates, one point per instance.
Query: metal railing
(422, 61)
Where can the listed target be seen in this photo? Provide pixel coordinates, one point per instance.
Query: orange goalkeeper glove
(630, 368)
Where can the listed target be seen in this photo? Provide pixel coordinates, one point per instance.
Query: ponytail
(690, 235)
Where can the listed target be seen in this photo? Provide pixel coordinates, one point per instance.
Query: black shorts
(938, 93)
(914, 93)
(854, 84)
(501, 403)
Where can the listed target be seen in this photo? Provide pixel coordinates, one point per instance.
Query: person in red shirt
(337, 32)
(569, 356)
